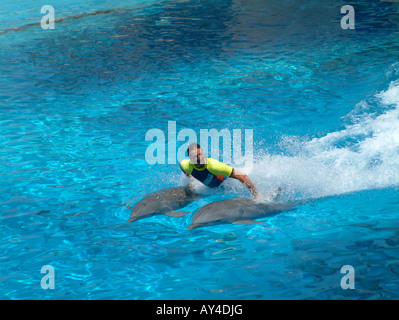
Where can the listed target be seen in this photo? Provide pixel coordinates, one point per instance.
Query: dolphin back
(237, 211)
(164, 201)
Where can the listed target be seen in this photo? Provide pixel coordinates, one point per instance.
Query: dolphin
(164, 201)
(236, 211)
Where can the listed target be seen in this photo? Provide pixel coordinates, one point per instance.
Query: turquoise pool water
(76, 103)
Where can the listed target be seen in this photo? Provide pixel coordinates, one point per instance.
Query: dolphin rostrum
(237, 211)
(164, 201)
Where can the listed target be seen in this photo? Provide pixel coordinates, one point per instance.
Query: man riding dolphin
(211, 172)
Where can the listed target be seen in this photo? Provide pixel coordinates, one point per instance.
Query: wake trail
(362, 156)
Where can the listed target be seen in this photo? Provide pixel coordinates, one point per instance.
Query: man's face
(197, 157)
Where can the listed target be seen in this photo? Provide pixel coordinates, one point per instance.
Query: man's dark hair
(193, 146)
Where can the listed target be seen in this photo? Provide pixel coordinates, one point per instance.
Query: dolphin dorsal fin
(176, 214)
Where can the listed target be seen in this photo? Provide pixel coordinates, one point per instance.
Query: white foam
(364, 155)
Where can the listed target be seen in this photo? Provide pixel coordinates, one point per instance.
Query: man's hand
(257, 197)
(243, 178)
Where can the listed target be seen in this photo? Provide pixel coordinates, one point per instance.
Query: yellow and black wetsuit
(212, 174)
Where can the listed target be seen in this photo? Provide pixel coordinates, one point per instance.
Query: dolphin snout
(193, 226)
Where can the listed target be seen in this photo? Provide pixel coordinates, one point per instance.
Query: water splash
(364, 155)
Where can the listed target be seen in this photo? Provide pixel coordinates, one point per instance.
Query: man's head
(196, 154)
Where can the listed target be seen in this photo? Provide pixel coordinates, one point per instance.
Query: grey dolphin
(164, 201)
(237, 211)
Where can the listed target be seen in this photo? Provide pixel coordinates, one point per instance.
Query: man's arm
(187, 175)
(191, 179)
(243, 178)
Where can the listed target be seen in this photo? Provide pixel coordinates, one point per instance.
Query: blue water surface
(77, 101)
